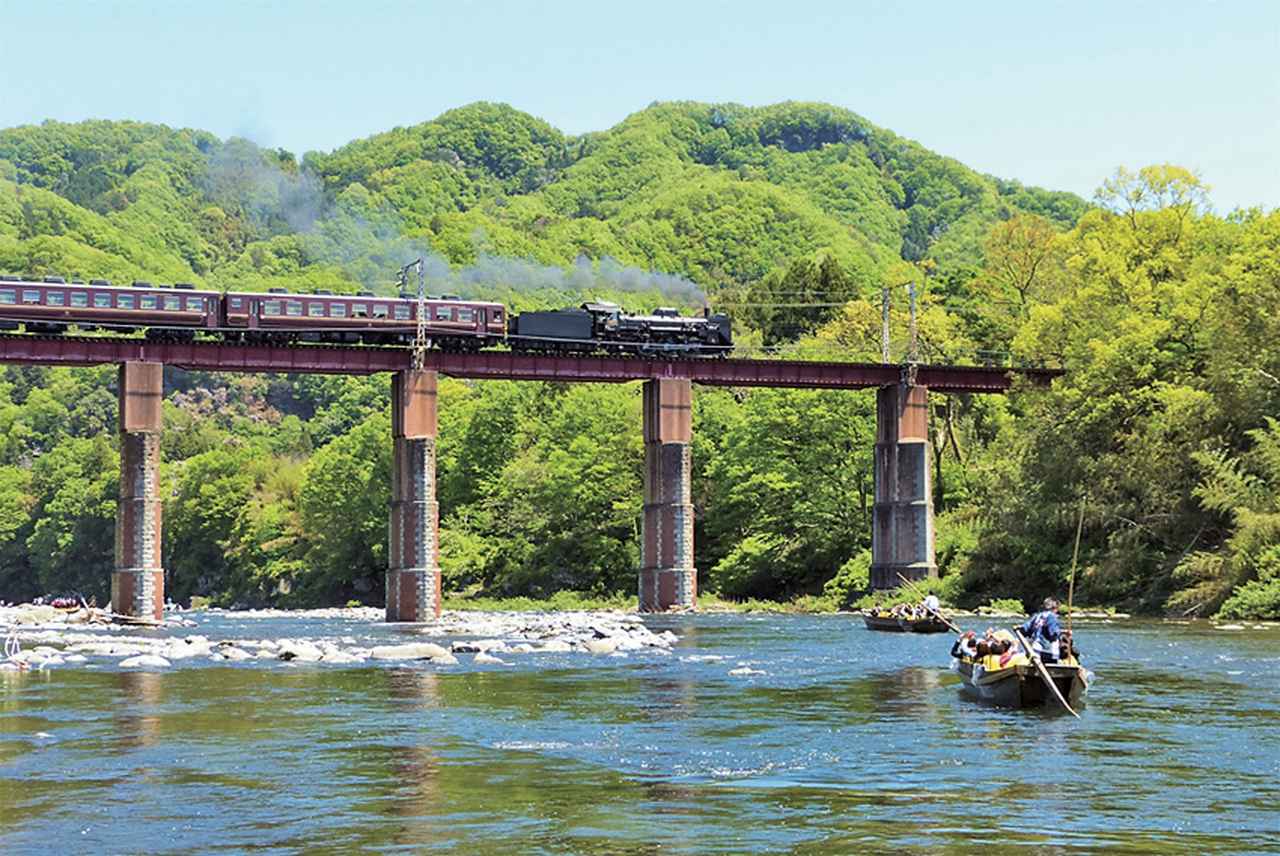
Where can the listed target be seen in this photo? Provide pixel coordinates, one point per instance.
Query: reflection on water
(841, 740)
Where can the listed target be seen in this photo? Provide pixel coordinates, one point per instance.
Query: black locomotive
(604, 326)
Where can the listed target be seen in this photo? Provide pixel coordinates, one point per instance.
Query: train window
(30, 296)
(359, 310)
(8, 295)
(293, 307)
(124, 301)
(147, 301)
(79, 298)
(102, 301)
(379, 310)
(172, 304)
(56, 298)
(443, 313)
(466, 315)
(497, 315)
(195, 304)
(338, 310)
(271, 307)
(315, 309)
(402, 313)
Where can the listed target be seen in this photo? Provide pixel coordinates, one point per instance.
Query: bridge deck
(500, 365)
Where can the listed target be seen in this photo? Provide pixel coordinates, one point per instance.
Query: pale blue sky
(1052, 93)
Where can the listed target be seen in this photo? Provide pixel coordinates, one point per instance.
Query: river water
(848, 741)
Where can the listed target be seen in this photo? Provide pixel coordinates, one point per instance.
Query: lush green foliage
(1166, 316)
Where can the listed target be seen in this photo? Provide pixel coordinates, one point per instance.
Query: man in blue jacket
(1042, 631)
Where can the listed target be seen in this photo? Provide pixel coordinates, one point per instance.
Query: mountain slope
(722, 194)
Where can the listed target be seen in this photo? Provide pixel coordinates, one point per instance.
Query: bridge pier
(668, 577)
(137, 583)
(902, 525)
(413, 567)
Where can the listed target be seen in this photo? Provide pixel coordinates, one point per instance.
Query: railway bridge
(902, 521)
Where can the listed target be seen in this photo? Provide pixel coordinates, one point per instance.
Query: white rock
(412, 651)
(183, 651)
(144, 661)
(745, 670)
(341, 657)
(234, 653)
(51, 661)
(293, 649)
(445, 659)
(485, 659)
(1230, 627)
(602, 646)
(555, 646)
(75, 658)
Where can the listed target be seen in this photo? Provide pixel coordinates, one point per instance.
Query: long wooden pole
(941, 617)
(1044, 673)
(1075, 556)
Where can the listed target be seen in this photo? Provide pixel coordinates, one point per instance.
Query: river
(846, 740)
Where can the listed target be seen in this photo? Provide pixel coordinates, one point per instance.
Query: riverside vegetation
(790, 217)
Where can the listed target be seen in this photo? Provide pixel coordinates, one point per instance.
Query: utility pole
(914, 355)
(884, 329)
(420, 338)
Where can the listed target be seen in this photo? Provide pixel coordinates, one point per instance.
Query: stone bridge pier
(902, 521)
(667, 574)
(413, 557)
(137, 583)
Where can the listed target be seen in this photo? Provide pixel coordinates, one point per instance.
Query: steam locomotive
(178, 312)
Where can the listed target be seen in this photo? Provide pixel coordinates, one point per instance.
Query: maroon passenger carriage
(451, 323)
(53, 305)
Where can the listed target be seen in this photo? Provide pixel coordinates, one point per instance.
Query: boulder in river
(145, 661)
(297, 649)
(410, 651)
(606, 645)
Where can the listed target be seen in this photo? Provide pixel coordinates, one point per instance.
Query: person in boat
(931, 605)
(965, 646)
(1043, 631)
(1068, 654)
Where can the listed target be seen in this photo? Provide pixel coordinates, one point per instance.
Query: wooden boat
(1022, 686)
(892, 624)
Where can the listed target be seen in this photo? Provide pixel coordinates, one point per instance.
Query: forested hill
(721, 194)
(791, 218)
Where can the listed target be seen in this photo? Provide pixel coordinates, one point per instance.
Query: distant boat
(892, 624)
(1022, 686)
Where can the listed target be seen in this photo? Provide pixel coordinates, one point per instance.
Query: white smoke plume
(365, 236)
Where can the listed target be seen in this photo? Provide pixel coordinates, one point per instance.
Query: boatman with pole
(1044, 630)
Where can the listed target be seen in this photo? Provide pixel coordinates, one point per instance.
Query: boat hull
(904, 625)
(1022, 686)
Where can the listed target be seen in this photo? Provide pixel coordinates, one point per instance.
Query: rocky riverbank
(42, 637)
